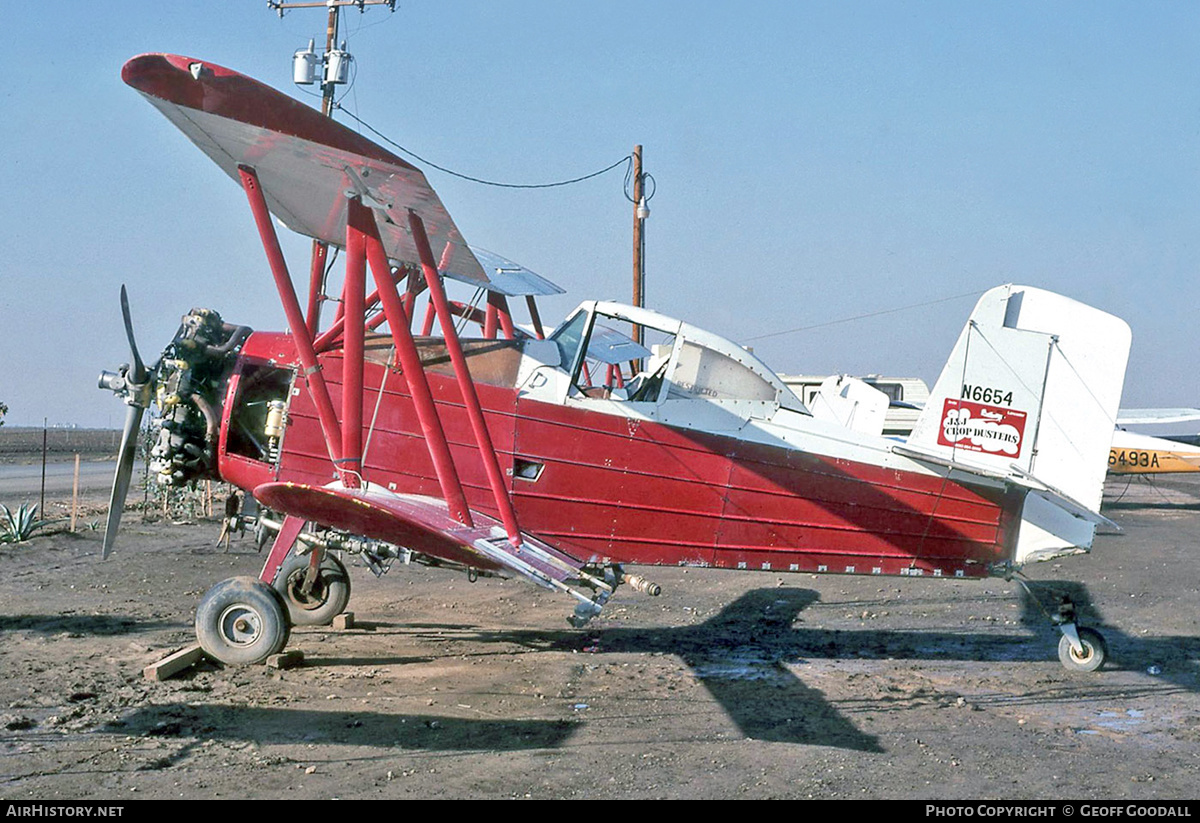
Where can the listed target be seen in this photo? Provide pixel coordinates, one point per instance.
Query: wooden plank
(286, 660)
(174, 663)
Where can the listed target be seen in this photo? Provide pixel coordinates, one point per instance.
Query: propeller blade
(116, 502)
(139, 368)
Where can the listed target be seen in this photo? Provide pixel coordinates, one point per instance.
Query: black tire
(241, 621)
(1095, 652)
(329, 595)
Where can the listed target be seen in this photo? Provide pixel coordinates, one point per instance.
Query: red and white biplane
(501, 455)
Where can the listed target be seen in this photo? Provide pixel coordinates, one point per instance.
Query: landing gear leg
(313, 596)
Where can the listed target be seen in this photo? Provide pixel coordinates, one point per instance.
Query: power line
(624, 160)
(864, 316)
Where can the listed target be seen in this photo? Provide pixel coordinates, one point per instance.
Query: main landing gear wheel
(241, 621)
(325, 600)
(1095, 651)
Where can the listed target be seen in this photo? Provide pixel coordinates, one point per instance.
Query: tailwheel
(313, 603)
(1091, 655)
(241, 621)
(1079, 649)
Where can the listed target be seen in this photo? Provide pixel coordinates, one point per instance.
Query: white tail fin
(1033, 386)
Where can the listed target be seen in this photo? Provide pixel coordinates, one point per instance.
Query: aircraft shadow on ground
(267, 725)
(83, 624)
(745, 657)
(1152, 494)
(1158, 506)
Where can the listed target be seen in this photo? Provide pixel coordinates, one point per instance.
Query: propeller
(139, 369)
(133, 384)
(116, 501)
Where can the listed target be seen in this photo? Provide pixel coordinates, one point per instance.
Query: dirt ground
(729, 685)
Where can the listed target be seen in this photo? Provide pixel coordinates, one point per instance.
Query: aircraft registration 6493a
(565, 459)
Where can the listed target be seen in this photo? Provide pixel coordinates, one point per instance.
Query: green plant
(19, 527)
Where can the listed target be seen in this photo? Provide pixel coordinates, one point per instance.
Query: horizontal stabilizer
(1014, 477)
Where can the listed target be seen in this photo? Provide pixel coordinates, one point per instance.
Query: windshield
(569, 338)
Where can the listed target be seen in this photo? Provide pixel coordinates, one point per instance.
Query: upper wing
(308, 164)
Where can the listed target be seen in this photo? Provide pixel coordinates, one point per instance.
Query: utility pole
(320, 251)
(331, 32)
(335, 61)
(640, 213)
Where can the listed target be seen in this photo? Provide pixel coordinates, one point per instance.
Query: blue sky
(814, 162)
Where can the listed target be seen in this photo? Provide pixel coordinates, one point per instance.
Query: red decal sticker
(979, 428)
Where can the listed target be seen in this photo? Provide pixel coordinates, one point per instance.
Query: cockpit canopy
(678, 362)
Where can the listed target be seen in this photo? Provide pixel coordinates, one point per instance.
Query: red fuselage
(602, 487)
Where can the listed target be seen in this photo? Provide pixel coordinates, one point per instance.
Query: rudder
(1033, 386)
